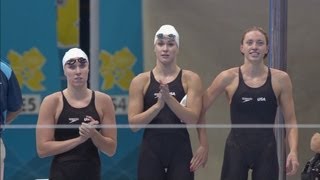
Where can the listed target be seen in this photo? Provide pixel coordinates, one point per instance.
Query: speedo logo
(247, 99)
(72, 120)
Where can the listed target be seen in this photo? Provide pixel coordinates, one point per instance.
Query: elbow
(41, 153)
(134, 129)
(133, 126)
(191, 120)
(40, 150)
(194, 118)
(112, 151)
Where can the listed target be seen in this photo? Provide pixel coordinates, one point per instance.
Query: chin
(79, 83)
(166, 61)
(256, 58)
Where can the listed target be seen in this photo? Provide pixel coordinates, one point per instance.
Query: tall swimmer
(254, 92)
(154, 98)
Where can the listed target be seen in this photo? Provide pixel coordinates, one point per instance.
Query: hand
(88, 130)
(164, 91)
(199, 159)
(292, 164)
(160, 103)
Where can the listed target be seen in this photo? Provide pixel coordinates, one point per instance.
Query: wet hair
(259, 29)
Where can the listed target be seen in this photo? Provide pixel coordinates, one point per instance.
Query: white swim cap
(166, 30)
(73, 53)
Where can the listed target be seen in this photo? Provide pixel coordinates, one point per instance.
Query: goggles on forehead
(80, 60)
(169, 36)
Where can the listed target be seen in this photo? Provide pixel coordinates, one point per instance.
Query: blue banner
(29, 44)
(120, 60)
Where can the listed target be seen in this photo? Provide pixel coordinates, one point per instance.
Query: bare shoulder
(104, 105)
(231, 72)
(280, 76)
(140, 81)
(280, 81)
(229, 75)
(142, 76)
(190, 75)
(102, 97)
(52, 98)
(51, 104)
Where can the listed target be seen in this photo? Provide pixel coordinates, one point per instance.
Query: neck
(77, 93)
(166, 75)
(166, 70)
(252, 69)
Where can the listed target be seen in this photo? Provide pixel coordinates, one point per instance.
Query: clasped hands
(88, 129)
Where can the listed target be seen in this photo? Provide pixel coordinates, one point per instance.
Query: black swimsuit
(165, 154)
(83, 161)
(252, 148)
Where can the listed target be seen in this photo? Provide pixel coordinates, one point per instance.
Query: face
(76, 70)
(254, 46)
(166, 48)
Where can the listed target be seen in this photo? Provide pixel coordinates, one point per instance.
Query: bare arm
(191, 112)
(12, 115)
(106, 141)
(200, 157)
(217, 87)
(287, 107)
(136, 115)
(46, 144)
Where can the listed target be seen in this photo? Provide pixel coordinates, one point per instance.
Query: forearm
(107, 145)
(12, 115)
(293, 139)
(51, 148)
(202, 132)
(144, 118)
(202, 136)
(187, 114)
